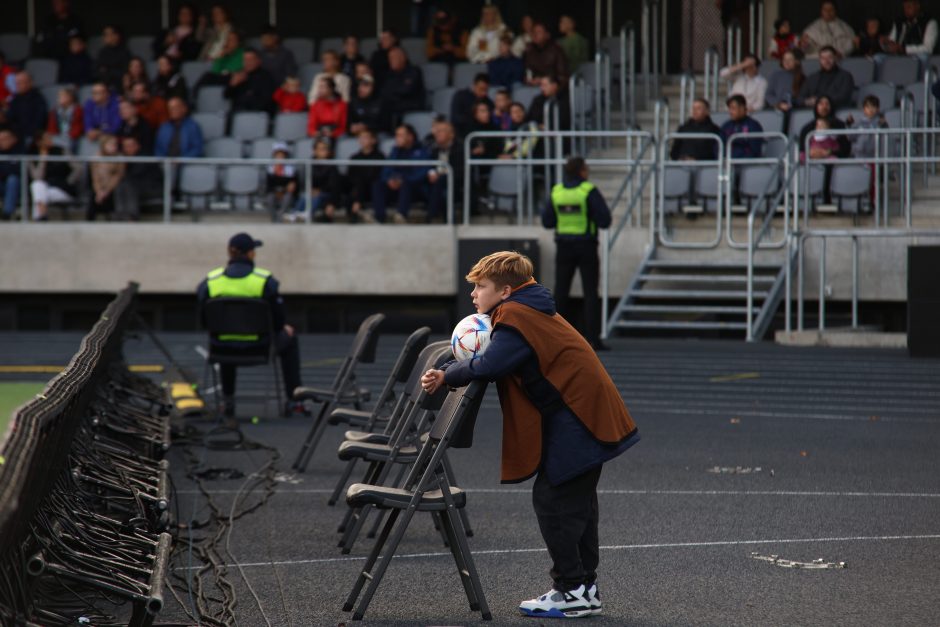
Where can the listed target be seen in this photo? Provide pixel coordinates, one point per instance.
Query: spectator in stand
(288, 97)
(179, 136)
(550, 90)
(324, 188)
(362, 70)
(507, 69)
(872, 119)
(524, 38)
(502, 119)
(783, 88)
(66, 120)
(361, 178)
(328, 114)
(398, 182)
(913, 33)
(872, 41)
(483, 45)
(229, 62)
(53, 39)
(52, 181)
(216, 37)
(519, 147)
(332, 69)
(251, 88)
(696, 149)
(180, 42)
(388, 39)
(463, 103)
(830, 81)
(350, 56)
(132, 125)
(824, 109)
(827, 32)
(365, 110)
(574, 44)
(747, 81)
(7, 81)
(113, 58)
(10, 177)
(822, 145)
(76, 67)
(283, 180)
(27, 112)
(544, 57)
(446, 43)
(403, 88)
(740, 122)
(169, 82)
(101, 112)
(277, 60)
(152, 109)
(136, 73)
(105, 177)
(784, 38)
(140, 182)
(445, 148)
(484, 147)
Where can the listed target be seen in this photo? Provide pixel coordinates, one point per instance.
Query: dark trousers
(568, 515)
(288, 352)
(406, 194)
(106, 207)
(579, 255)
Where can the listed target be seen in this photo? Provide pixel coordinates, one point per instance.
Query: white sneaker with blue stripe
(595, 600)
(556, 604)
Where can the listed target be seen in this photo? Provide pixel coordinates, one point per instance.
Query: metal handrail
(628, 69)
(657, 222)
(756, 27)
(930, 117)
(686, 93)
(648, 142)
(733, 44)
(712, 68)
(651, 66)
(781, 162)
(661, 117)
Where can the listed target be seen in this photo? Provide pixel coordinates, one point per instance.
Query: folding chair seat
(398, 498)
(676, 182)
(192, 71)
(249, 125)
(706, 185)
(525, 94)
(367, 436)
(440, 101)
(375, 452)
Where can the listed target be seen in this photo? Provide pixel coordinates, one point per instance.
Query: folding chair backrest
(428, 356)
(432, 402)
(885, 92)
(457, 416)
(900, 71)
(435, 75)
(676, 182)
(464, 73)
(367, 339)
(409, 354)
(302, 47)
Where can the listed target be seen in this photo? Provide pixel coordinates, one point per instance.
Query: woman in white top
(747, 81)
(332, 68)
(484, 39)
(217, 34)
(525, 37)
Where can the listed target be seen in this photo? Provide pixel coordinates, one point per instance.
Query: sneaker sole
(555, 613)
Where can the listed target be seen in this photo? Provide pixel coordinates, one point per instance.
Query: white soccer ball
(471, 336)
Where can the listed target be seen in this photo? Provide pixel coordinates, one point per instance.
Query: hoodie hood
(536, 296)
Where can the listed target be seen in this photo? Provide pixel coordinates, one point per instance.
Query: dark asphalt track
(847, 443)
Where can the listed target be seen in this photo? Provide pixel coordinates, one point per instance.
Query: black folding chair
(241, 334)
(343, 389)
(426, 489)
(368, 420)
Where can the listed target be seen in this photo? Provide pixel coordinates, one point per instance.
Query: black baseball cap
(243, 242)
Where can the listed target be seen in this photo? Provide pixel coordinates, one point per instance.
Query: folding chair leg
(357, 518)
(313, 437)
(381, 514)
(460, 537)
(343, 480)
(439, 527)
(459, 560)
(276, 364)
(451, 480)
(381, 564)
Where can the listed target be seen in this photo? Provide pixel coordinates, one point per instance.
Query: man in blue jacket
(740, 122)
(406, 183)
(179, 136)
(576, 210)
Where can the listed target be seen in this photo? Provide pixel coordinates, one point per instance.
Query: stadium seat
(211, 98)
(754, 180)
(899, 71)
(223, 148)
(241, 183)
(768, 67)
(197, 182)
(94, 45)
(192, 71)
(212, 125)
(302, 47)
(817, 181)
(850, 182)
(435, 76)
(84, 94)
(50, 94)
(346, 147)
(141, 46)
(706, 185)
(720, 117)
(774, 147)
(503, 187)
(862, 69)
(334, 43)
(676, 181)
(844, 114)
(464, 73)
(87, 147)
(525, 94)
(249, 125)
(798, 119)
(45, 72)
(440, 102)
(306, 73)
(416, 48)
(290, 127)
(810, 66)
(770, 119)
(261, 148)
(421, 121)
(885, 92)
(15, 46)
(303, 148)
(367, 45)
(386, 145)
(151, 69)
(917, 93)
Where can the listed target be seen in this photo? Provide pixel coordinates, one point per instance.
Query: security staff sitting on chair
(242, 279)
(576, 210)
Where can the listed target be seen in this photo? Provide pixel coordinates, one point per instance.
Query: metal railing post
(605, 281)
(645, 51)
(167, 190)
(467, 181)
(800, 282)
(854, 282)
(26, 212)
(787, 286)
(308, 189)
(822, 285)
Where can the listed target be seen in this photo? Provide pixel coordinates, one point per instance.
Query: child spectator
(76, 67)
(574, 44)
(328, 114)
(105, 177)
(52, 181)
(365, 110)
(288, 96)
(282, 180)
(502, 120)
(563, 419)
(101, 112)
(362, 178)
(784, 39)
(870, 42)
(446, 43)
(507, 69)
(873, 119)
(821, 145)
(324, 187)
(66, 120)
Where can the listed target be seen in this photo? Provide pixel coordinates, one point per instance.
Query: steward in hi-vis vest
(240, 278)
(576, 211)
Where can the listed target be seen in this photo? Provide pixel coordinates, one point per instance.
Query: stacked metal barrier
(83, 491)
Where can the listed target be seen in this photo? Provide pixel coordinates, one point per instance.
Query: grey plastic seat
(435, 76)
(15, 46)
(249, 125)
(416, 48)
(241, 183)
(87, 147)
(720, 117)
(386, 145)
(211, 99)
(334, 43)
(798, 119)
(706, 186)
(899, 70)
(810, 66)
(525, 94)
(94, 45)
(212, 125)
(302, 47)
(676, 183)
(421, 121)
(503, 187)
(885, 92)
(346, 147)
(198, 182)
(862, 69)
(303, 148)
(464, 73)
(367, 45)
(140, 46)
(192, 71)
(290, 127)
(850, 184)
(755, 180)
(44, 72)
(768, 67)
(84, 94)
(223, 148)
(50, 94)
(817, 182)
(261, 148)
(440, 102)
(774, 147)
(306, 74)
(770, 119)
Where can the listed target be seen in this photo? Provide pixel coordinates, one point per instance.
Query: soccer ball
(470, 336)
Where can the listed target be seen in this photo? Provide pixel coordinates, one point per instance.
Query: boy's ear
(505, 292)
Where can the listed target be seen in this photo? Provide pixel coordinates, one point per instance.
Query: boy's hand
(432, 380)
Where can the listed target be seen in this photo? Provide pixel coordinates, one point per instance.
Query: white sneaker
(594, 598)
(555, 604)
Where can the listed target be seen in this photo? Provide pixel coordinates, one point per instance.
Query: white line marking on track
(920, 495)
(773, 414)
(616, 547)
